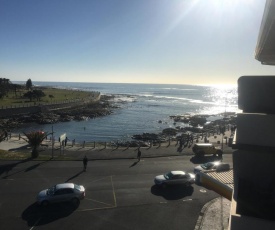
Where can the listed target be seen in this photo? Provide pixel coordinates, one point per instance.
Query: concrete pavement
(214, 215)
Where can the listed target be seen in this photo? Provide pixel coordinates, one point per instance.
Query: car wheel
(45, 203)
(197, 179)
(200, 154)
(75, 202)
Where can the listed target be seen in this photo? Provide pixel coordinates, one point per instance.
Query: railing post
(169, 142)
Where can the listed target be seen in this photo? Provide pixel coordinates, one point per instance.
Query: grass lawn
(24, 155)
(59, 95)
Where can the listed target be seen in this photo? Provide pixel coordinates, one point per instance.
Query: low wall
(19, 110)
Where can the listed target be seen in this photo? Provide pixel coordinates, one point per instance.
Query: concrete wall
(8, 112)
(256, 129)
(19, 111)
(256, 94)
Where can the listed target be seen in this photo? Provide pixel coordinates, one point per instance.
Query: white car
(175, 177)
(215, 165)
(66, 192)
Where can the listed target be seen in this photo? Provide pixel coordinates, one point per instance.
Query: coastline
(129, 118)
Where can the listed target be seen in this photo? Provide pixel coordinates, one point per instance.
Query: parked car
(201, 149)
(66, 192)
(216, 165)
(175, 177)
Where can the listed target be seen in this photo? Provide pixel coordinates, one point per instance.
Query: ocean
(144, 108)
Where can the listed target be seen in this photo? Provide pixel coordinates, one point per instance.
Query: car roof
(64, 185)
(204, 144)
(178, 172)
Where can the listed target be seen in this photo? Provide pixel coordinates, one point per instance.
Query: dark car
(202, 149)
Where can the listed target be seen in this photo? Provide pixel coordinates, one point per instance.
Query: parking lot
(118, 196)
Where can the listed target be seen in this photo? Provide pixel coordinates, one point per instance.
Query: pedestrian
(6, 135)
(66, 140)
(85, 162)
(139, 154)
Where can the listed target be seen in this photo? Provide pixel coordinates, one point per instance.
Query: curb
(202, 213)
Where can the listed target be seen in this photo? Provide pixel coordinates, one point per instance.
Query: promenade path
(100, 152)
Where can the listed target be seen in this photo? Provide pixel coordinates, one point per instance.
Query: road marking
(97, 180)
(92, 209)
(163, 202)
(113, 190)
(99, 202)
(187, 200)
(202, 190)
(35, 223)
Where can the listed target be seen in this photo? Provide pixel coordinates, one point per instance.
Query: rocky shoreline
(198, 127)
(195, 125)
(90, 110)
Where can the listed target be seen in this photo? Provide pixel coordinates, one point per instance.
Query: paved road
(120, 194)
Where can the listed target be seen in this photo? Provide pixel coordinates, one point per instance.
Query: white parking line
(187, 200)
(35, 223)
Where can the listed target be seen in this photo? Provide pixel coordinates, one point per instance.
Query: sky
(130, 41)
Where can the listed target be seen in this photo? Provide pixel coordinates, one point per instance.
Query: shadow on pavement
(134, 164)
(74, 176)
(20, 148)
(175, 192)
(36, 215)
(7, 168)
(201, 160)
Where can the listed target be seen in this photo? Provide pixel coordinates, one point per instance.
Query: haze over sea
(143, 106)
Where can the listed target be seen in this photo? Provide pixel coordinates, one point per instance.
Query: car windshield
(207, 165)
(168, 175)
(51, 190)
(77, 187)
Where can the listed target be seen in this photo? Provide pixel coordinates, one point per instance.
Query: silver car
(215, 165)
(61, 193)
(175, 177)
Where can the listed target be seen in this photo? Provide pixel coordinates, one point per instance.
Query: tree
(35, 139)
(29, 84)
(38, 94)
(51, 96)
(29, 95)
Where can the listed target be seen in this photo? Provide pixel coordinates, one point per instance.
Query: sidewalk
(213, 216)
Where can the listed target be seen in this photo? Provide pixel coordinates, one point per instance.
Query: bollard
(159, 144)
(169, 142)
(116, 145)
(19, 136)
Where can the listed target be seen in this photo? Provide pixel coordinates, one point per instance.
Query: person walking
(66, 140)
(85, 162)
(139, 154)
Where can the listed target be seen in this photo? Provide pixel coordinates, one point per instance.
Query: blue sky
(141, 41)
